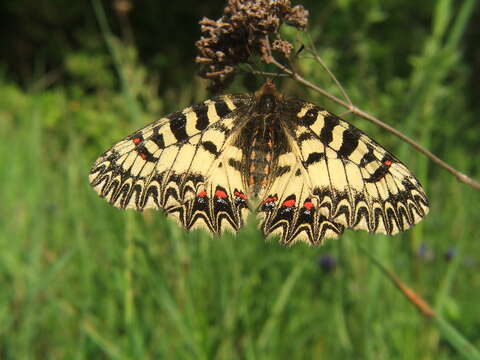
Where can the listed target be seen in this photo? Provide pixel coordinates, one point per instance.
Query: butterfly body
(264, 139)
(306, 173)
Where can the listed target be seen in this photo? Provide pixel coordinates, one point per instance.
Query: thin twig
(455, 338)
(411, 296)
(311, 49)
(266, 73)
(252, 71)
(355, 110)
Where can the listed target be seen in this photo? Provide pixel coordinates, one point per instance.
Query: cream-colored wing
(290, 210)
(340, 178)
(180, 164)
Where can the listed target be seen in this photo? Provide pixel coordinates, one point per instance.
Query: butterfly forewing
(309, 174)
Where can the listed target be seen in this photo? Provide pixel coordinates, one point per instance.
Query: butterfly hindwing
(291, 210)
(180, 164)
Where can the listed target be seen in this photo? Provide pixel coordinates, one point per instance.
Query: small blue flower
(327, 263)
(451, 252)
(425, 252)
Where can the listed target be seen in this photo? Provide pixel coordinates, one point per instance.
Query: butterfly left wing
(181, 164)
(337, 178)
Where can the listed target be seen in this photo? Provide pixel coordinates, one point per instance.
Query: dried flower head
(243, 31)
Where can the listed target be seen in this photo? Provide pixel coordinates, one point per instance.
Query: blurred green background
(83, 280)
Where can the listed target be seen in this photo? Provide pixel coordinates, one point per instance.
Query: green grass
(83, 280)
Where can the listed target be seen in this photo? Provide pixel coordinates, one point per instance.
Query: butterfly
(307, 174)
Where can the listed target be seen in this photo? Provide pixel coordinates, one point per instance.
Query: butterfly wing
(339, 178)
(290, 210)
(180, 164)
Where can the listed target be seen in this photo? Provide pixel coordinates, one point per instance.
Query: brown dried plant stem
(355, 110)
(410, 295)
(455, 338)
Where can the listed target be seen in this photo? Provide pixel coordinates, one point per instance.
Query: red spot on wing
(289, 203)
(308, 205)
(137, 140)
(143, 156)
(388, 163)
(221, 194)
(240, 195)
(270, 199)
(202, 194)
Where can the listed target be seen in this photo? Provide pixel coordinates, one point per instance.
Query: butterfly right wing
(335, 177)
(363, 185)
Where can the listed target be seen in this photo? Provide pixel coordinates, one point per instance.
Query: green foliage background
(83, 280)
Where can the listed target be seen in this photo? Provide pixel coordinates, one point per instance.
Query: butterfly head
(267, 97)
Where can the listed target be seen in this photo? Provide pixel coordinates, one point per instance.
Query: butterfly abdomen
(260, 160)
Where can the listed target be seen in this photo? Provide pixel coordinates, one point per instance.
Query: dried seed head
(283, 47)
(241, 32)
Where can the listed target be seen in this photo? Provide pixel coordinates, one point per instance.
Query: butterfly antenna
(300, 49)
